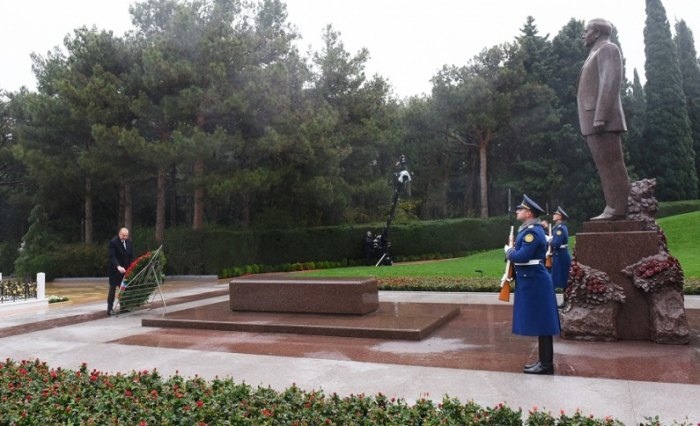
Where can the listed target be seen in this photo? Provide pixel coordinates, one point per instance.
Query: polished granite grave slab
(392, 320)
(312, 295)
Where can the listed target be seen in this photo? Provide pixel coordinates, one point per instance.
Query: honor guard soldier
(535, 306)
(561, 259)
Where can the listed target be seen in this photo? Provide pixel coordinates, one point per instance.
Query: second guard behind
(561, 258)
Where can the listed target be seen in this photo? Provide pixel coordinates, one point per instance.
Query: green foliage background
(208, 117)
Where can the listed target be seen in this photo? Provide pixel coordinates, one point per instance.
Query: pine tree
(667, 143)
(690, 70)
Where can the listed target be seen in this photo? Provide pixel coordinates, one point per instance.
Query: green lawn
(683, 236)
(682, 233)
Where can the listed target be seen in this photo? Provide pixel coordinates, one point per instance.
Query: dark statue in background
(601, 116)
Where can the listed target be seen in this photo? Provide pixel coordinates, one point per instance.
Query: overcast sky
(409, 40)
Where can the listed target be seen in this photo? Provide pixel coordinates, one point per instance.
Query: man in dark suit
(121, 254)
(601, 116)
(369, 248)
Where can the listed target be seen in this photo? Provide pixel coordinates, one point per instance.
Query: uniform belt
(564, 246)
(532, 262)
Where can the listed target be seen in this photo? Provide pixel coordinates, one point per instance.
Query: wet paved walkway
(473, 357)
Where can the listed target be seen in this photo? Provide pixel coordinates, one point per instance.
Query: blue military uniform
(535, 306)
(561, 258)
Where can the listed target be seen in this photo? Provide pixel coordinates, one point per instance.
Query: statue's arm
(609, 83)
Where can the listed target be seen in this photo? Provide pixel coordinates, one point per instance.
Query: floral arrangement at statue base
(661, 278)
(592, 305)
(142, 278)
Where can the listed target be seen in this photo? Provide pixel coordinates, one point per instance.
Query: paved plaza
(472, 357)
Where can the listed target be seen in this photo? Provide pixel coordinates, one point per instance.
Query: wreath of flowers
(590, 287)
(137, 265)
(655, 272)
(138, 284)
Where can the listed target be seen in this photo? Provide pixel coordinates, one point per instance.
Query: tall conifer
(634, 113)
(688, 59)
(667, 153)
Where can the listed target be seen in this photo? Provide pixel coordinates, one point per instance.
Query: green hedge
(673, 208)
(211, 250)
(8, 254)
(79, 260)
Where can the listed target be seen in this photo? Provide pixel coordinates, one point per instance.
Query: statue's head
(595, 29)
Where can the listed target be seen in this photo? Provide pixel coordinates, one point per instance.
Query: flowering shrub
(31, 392)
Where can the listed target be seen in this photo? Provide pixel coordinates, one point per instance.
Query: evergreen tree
(35, 244)
(14, 202)
(634, 113)
(535, 120)
(668, 151)
(690, 70)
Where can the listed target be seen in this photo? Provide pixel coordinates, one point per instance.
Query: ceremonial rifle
(548, 259)
(508, 275)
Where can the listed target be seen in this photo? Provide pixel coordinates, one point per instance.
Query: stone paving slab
(101, 341)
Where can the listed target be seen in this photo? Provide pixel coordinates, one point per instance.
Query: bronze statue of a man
(601, 116)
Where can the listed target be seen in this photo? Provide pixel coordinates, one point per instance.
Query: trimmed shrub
(80, 260)
(8, 254)
(673, 208)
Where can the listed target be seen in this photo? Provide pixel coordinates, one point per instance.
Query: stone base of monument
(396, 321)
(596, 324)
(653, 311)
(610, 247)
(670, 325)
(312, 306)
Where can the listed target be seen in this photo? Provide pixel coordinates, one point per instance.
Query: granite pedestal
(343, 307)
(394, 321)
(610, 247)
(313, 295)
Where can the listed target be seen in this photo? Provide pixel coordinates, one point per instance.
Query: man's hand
(121, 270)
(506, 248)
(598, 126)
(549, 238)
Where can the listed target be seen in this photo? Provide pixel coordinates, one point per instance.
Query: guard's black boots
(545, 365)
(540, 368)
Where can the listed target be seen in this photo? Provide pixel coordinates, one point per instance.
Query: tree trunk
(173, 196)
(120, 215)
(128, 206)
(198, 219)
(88, 211)
(483, 183)
(160, 208)
(245, 210)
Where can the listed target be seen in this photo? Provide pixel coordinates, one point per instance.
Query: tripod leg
(380, 260)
